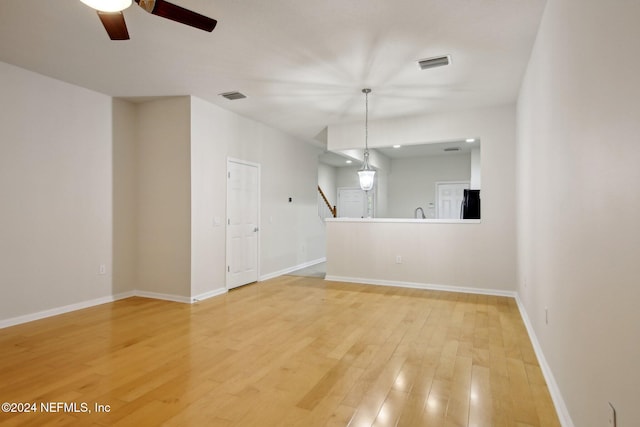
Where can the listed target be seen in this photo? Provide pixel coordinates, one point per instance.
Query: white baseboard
(56, 311)
(426, 286)
(164, 297)
(104, 300)
(291, 269)
(180, 298)
(123, 295)
(209, 294)
(554, 390)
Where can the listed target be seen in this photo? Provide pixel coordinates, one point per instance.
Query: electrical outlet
(102, 270)
(611, 415)
(398, 259)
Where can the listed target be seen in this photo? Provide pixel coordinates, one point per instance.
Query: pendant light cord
(366, 92)
(366, 119)
(366, 174)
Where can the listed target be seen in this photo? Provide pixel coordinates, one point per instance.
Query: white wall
(125, 196)
(347, 176)
(579, 239)
(164, 196)
(208, 199)
(481, 256)
(86, 179)
(448, 255)
(291, 233)
(181, 224)
(412, 181)
(55, 192)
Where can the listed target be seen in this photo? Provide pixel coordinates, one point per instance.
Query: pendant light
(366, 174)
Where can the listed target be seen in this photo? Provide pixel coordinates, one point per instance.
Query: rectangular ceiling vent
(437, 61)
(232, 96)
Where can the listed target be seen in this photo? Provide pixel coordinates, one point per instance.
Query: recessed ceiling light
(397, 146)
(437, 61)
(349, 161)
(470, 140)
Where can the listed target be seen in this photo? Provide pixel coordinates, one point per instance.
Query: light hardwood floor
(291, 351)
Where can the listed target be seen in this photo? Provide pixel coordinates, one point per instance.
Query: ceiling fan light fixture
(437, 61)
(108, 5)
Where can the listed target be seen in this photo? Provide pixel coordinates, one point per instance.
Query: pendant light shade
(366, 179)
(366, 174)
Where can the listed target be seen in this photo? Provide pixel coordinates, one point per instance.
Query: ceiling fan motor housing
(147, 5)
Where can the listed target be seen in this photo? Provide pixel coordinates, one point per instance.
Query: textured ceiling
(301, 63)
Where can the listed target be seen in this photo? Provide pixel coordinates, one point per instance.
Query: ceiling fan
(110, 13)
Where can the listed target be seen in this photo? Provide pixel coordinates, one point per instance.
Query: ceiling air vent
(437, 61)
(232, 96)
(452, 149)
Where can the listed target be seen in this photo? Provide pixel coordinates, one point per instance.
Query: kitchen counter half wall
(452, 255)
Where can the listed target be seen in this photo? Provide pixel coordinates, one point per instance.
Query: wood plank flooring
(291, 351)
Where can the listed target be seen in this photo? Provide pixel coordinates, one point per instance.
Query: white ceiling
(301, 63)
(338, 159)
(430, 149)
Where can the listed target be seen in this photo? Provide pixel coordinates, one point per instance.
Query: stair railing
(332, 209)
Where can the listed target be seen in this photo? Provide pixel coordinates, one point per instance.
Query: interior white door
(352, 203)
(243, 204)
(449, 199)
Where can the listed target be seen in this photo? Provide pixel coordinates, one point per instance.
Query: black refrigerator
(470, 208)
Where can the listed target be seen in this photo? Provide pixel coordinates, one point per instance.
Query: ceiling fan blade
(114, 24)
(179, 14)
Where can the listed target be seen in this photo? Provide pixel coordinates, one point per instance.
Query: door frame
(226, 223)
